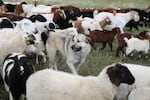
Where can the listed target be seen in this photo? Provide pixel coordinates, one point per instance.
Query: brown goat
(12, 17)
(121, 42)
(104, 37)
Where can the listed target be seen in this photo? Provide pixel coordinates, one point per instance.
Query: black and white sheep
(48, 84)
(141, 74)
(16, 69)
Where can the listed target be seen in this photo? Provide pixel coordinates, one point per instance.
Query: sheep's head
(32, 39)
(119, 73)
(26, 26)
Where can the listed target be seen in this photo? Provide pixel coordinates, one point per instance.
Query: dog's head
(79, 42)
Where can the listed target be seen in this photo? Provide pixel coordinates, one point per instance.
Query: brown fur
(104, 37)
(12, 17)
(105, 22)
(122, 44)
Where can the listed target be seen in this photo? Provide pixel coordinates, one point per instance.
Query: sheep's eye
(78, 41)
(45, 27)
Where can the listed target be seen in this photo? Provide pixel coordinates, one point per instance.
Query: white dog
(74, 48)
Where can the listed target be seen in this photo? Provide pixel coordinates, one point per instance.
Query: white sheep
(41, 27)
(48, 84)
(42, 9)
(17, 39)
(117, 20)
(137, 45)
(141, 74)
(140, 94)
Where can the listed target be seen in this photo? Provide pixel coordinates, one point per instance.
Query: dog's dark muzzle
(76, 48)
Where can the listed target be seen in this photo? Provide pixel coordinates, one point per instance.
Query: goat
(137, 45)
(117, 20)
(104, 37)
(122, 44)
(82, 25)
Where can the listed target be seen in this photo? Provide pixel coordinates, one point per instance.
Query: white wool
(118, 20)
(48, 84)
(141, 74)
(90, 24)
(13, 44)
(140, 94)
(13, 40)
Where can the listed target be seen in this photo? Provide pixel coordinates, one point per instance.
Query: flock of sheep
(68, 31)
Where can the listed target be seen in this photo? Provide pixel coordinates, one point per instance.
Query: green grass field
(96, 60)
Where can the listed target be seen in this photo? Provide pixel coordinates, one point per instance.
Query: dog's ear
(73, 37)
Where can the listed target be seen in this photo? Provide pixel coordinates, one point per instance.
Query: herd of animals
(27, 29)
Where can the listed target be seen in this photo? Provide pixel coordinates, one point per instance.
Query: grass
(94, 3)
(96, 60)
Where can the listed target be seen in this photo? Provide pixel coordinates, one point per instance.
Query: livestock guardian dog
(74, 48)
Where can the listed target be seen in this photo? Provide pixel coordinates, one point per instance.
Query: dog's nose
(76, 48)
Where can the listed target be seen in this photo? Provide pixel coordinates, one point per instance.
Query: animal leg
(37, 58)
(77, 66)
(110, 45)
(52, 58)
(72, 67)
(10, 96)
(104, 45)
(43, 56)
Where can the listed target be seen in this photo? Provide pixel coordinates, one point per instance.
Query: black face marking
(44, 37)
(120, 74)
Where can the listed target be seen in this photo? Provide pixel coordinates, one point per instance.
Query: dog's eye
(78, 41)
